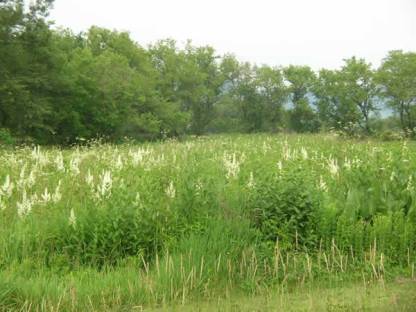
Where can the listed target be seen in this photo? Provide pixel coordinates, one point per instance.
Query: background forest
(58, 87)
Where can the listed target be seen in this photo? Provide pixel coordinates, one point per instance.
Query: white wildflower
(304, 153)
(89, 178)
(74, 165)
(25, 206)
(46, 196)
(56, 196)
(38, 156)
(266, 147)
(34, 199)
(347, 163)
(199, 186)
(137, 200)
(357, 162)
(409, 186)
(31, 179)
(333, 167)
(22, 172)
(2, 204)
(170, 190)
(119, 163)
(35, 152)
(7, 187)
(59, 162)
(138, 155)
(322, 185)
(279, 165)
(404, 146)
(105, 185)
(72, 220)
(286, 151)
(287, 155)
(232, 166)
(21, 182)
(251, 182)
(189, 145)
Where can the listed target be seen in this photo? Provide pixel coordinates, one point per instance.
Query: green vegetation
(58, 87)
(397, 296)
(130, 205)
(113, 227)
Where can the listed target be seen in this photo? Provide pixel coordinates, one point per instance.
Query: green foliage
(347, 98)
(118, 232)
(397, 79)
(334, 109)
(6, 138)
(303, 116)
(284, 209)
(10, 296)
(360, 88)
(57, 87)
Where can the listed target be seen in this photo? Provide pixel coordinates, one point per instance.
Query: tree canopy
(57, 86)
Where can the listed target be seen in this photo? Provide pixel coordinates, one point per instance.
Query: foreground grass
(89, 291)
(396, 296)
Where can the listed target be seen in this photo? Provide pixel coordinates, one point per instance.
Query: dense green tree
(202, 86)
(300, 80)
(251, 106)
(397, 76)
(359, 87)
(335, 109)
(189, 77)
(253, 95)
(26, 67)
(227, 113)
(271, 88)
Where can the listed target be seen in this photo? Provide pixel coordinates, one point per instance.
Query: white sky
(319, 33)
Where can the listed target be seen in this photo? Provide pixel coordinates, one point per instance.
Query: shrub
(6, 137)
(391, 135)
(285, 209)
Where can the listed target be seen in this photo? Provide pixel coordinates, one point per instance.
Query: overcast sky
(319, 33)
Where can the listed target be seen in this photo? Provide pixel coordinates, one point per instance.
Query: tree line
(58, 87)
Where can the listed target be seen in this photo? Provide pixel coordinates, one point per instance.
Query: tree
(397, 77)
(359, 87)
(26, 64)
(227, 114)
(300, 80)
(335, 110)
(252, 97)
(204, 80)
(190, 78)
(273, 93)
(249, 101)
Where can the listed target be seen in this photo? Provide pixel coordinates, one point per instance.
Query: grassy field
(213, 223)
(398, 296)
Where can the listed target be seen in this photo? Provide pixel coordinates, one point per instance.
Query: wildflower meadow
(141, 226)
